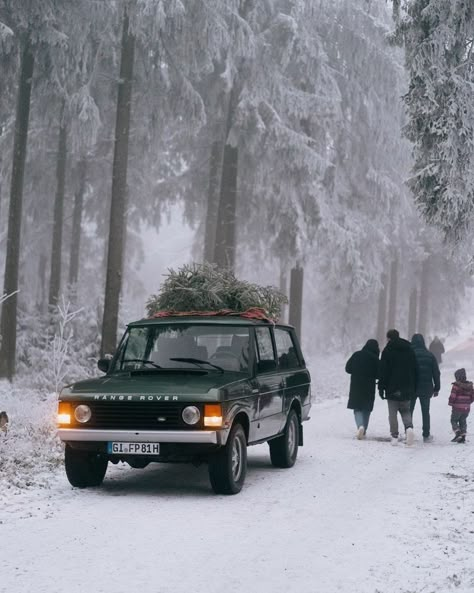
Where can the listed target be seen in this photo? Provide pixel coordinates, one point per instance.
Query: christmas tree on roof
(206, 287)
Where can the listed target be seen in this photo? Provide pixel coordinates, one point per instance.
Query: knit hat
(460, 375)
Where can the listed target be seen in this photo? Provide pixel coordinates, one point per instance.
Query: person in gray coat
(428, 382)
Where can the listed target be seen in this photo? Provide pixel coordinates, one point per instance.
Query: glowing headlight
(82, 413)
(191, 414)
(64, 413)
(213, 415)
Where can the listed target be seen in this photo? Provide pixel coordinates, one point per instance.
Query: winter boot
(361, 433)
(410, 437)
(394, 441)
(461, 438)
(457, 434)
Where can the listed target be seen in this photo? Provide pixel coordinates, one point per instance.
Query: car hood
(156, 386)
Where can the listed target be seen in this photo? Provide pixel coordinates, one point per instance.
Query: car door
(270, 393)
(294, 376)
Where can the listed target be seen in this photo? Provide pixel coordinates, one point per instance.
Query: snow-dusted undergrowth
(30, 451)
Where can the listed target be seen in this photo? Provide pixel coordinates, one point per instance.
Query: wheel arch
(296, 406)
(242, 418)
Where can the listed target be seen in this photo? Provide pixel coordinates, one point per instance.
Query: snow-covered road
(350, 517)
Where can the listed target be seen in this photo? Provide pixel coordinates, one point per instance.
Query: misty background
(282, 139)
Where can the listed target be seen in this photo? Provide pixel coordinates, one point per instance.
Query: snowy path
(351, 516)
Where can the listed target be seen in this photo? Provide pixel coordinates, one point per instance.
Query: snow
(351, 516)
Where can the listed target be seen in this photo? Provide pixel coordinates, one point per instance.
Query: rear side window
(286, 352)
(264, 344)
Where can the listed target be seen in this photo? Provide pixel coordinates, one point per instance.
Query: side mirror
(104, 364)
(265, 366)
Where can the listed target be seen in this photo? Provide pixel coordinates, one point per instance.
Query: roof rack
(251, 313)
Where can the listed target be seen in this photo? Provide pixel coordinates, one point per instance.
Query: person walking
(437, 348)
(397, 383)
(363, 368)
(460, 400)
(428, 383)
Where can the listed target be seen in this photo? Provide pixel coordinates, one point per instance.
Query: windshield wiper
(198, 362)
(142, 360)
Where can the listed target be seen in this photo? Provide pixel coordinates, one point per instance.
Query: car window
(264, 344)
(135, 345)
(154, 347)
(286, 353)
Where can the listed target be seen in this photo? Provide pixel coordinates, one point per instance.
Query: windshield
(223, 348)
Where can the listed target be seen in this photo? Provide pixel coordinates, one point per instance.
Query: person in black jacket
(428, 383)
(437, 348)
(363, 368)
(397, 383)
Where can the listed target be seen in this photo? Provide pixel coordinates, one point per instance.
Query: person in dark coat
(363, 369)
(428, 383)
(397, 383)
(437, 348)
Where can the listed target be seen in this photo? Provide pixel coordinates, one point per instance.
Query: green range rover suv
(189, 389)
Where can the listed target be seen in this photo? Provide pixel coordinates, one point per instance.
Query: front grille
(137, 416)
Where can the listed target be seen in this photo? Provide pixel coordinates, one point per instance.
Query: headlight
(82, 413)
(191, 414)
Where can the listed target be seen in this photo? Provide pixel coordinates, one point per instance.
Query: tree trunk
(215, 168)
(76, 229)
(113, 285)
(296, 299)
(224, 248)
(224, 254)
(9, 309)
(382, 313)
(424, 298)
(1, 186)
(284, 290)
(412, 310)
(392, 303)
(42, 271)
(56, 250)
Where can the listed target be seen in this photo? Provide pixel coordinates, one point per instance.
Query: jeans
(458, 421)
(425, 413)
(395, 406)
(362, 418)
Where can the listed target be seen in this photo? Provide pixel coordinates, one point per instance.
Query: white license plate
(133, 448)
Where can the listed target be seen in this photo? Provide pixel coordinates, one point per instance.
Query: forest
(324, 147)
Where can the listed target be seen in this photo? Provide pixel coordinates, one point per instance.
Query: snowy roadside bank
(30, 452)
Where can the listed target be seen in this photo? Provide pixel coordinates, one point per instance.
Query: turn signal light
(213, 415)
(64, 413)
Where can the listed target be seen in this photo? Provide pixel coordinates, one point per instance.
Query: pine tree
(116, 243)
(9, 308)
(438, 37)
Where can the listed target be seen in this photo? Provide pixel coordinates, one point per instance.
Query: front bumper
(216, 437)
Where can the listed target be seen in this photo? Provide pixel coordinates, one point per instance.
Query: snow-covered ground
(350, 517)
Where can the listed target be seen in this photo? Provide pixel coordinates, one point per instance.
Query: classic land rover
(189, 389)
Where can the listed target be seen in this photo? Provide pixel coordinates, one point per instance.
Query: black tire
(228, 467)
(284, 449)
(83, 468)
